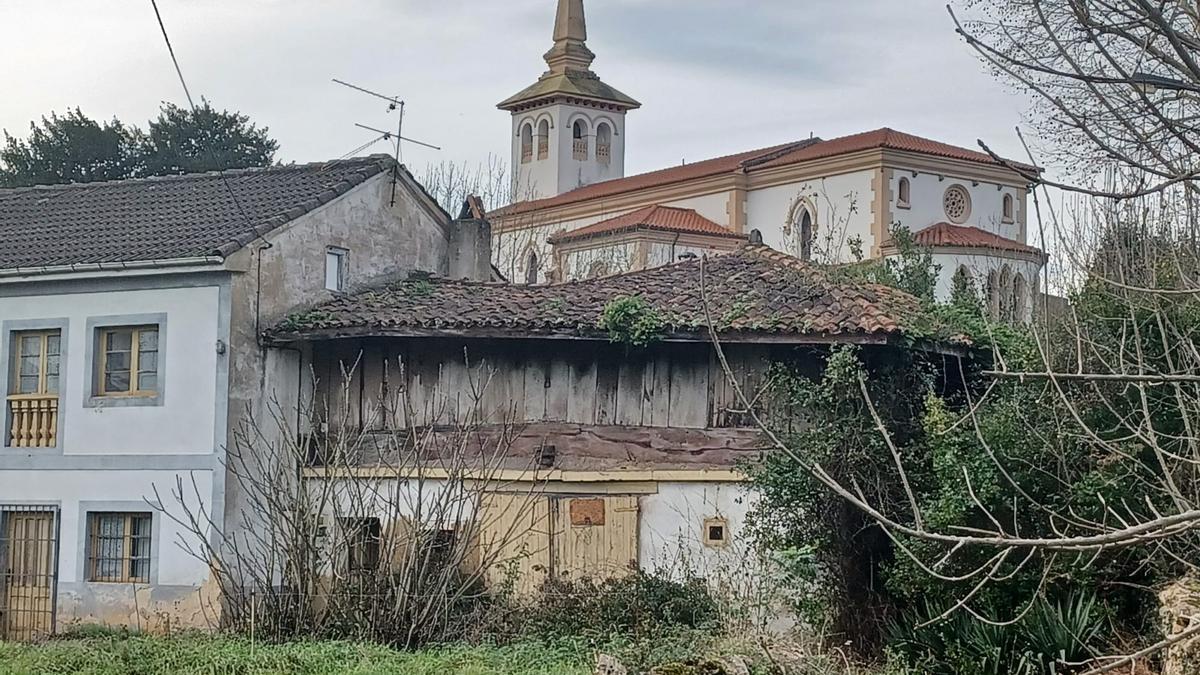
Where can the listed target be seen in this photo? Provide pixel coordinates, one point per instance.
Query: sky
(714, 76)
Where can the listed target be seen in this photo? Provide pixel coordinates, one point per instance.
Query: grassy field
(203, 655)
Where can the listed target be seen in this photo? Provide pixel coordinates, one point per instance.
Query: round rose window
(957, 203)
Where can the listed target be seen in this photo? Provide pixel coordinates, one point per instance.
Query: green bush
(638, 604)
(1045, 641)
(632, 321)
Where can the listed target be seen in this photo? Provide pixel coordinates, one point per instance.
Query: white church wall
(979, 267)
(665, 254)
(614, 258)
(843, 211)
(926, 203)
(715, 206)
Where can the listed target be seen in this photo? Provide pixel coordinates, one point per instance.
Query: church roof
(765, 158)
(752, 291)
(670, 176)
(947, 235)
(657, 218)
(572, 83)
(168, 218)
(570, 61)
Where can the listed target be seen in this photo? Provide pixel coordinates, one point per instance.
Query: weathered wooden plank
(691, 392)
(373, 389)
(581, 394)
(536, 373)
(630, 389)
(657, 407)
(607, 364)
(558, 393)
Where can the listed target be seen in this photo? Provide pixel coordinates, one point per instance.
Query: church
(574, 214)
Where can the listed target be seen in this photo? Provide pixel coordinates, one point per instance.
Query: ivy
(632, 321)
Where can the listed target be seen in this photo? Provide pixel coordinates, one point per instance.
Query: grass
(206, 655)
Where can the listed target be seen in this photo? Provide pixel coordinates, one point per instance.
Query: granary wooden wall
(377, 383)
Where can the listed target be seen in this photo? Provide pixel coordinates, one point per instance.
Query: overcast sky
(714, 76)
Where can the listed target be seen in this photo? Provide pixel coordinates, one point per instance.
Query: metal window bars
(29, 536)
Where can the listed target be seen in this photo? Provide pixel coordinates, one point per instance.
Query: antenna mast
(395, 103)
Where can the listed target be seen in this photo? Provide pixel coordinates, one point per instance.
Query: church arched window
(543, 140)
(804, 228)
(603, 143)
(993, 294)
(1008, 210)
(905, 192)
(1005, 292)
(579, 140)
(526, 143)
(531, 267)
(1018, 298)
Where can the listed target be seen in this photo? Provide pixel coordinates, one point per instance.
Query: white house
(815, 199)
(129, 347)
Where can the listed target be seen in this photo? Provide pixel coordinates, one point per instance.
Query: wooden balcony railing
(580, 148)
(603, 153)
(526, 154)
(34, 420)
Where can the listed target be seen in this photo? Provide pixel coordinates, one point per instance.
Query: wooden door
(595, 537)
(27, 600)
(514, 541)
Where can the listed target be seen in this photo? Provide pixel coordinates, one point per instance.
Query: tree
(76, 149)
(69, 149)
(1079, 450)
(184, 140)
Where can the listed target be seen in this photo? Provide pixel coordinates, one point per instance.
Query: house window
(1009, 209)
(902, 202)
(119, 547)
(363, 537)
(33, 389)
(957, 204)
(128, 361)
(716, 532)
(37, 363)
(335, 269)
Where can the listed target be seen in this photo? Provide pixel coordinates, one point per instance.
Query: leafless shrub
(377, 529)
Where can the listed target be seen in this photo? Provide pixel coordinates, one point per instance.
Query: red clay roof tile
(660, 218)
(965, 236)
(755, 160)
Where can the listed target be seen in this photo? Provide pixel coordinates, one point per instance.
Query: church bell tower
(569, 126)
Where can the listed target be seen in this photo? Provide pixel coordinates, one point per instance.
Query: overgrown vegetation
(975, 452)
(632, 321)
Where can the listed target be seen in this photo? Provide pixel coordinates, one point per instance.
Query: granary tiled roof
(766, 158)
(753, 290)
(167, 218)
(659, 218)
(965, 236)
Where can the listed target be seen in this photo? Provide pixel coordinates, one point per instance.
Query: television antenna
(395, 104)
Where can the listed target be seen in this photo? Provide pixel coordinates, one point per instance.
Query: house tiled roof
(167, 218)
(659, 218)
(965, 236)
(766, 158)
(753, 290)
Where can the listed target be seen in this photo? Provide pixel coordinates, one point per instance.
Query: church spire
(570, 50)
